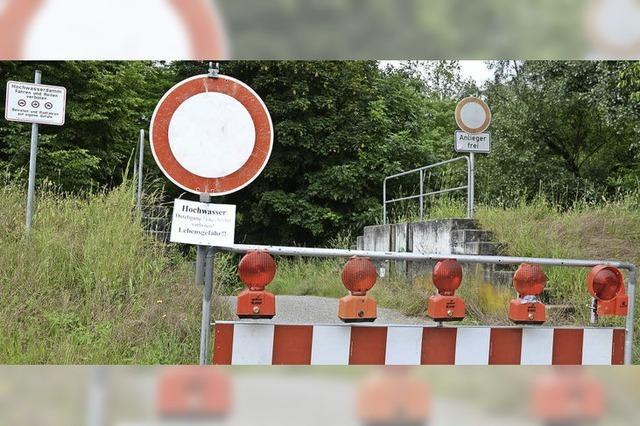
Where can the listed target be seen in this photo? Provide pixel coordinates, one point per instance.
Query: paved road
(321, 310)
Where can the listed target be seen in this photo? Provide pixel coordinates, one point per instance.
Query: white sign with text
(35, 103)
(203, 224)
(468, 142)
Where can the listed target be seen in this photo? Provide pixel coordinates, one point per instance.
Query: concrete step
(480, 248)
(462, 236)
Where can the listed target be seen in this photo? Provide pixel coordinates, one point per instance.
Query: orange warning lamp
(606, 285)
(446, 306)
(188, 392)
(358, 276)
(529, 281)
(256, 269)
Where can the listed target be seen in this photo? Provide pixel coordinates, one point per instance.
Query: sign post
(33, 157)
(211, 135)
(36, 104)
(473, 116)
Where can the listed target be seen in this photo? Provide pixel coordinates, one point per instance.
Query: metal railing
(422, 195)
(377, 255)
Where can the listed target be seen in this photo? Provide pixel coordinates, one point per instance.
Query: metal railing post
(384, 202)
(421, 194)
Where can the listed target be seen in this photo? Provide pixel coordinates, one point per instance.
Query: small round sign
(211, 135)
(473, 115)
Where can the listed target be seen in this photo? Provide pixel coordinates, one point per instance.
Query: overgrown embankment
(90, 287)
(609, 230)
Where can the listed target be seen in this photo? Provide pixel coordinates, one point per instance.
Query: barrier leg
(628, 342)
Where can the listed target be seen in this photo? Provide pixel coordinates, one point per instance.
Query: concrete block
(377, 238)
(399, 243)
(431, 237)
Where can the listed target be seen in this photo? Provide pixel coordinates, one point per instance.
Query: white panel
(597, 346)
(537, 346)
(330, 345)
(404, 345)
(472, 346)
(212, 135)
(473, 115)
(252, 344)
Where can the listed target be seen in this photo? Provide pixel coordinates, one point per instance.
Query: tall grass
(88, 286)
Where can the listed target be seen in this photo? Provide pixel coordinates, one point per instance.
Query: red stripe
(505, 346)
(368, 346)
(438, 346)
(567, 346)
(292, 344)
(617, 351)
(223, 344)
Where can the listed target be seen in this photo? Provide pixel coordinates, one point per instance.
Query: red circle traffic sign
(211, 135)
(473, 115)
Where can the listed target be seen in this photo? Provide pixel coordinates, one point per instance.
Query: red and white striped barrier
(242, 343)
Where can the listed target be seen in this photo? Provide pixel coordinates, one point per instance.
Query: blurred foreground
(134, 396)
(199, 29)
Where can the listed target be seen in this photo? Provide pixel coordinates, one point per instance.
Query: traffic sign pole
(472, 184)
(204, 277)
(205, 325)
(32, 164)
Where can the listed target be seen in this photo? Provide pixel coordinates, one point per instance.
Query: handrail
(506, 260)
(469, 187)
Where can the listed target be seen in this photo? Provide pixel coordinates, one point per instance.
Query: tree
(562, 126)
(108, 102)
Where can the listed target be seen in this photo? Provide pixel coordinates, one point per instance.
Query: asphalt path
(320, 310)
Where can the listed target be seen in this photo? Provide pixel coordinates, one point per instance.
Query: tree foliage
(341, 127)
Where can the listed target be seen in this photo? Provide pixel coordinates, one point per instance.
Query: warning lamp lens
(257, 269)
(447, 276)
(605, 282)
(529, 280)
(359, 275)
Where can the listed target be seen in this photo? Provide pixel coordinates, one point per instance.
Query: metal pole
(421, 194)
(140, 170)
(384, 202)
(382, 255)
(201, 250)
(205, 326)
(628, 342)
(32, 164)
(471, 186)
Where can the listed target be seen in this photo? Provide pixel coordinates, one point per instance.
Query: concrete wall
(446, 237)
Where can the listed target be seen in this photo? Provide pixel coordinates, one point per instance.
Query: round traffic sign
(211, 135)
(473, 115)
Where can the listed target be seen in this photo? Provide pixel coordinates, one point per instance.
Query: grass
(90, 287)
